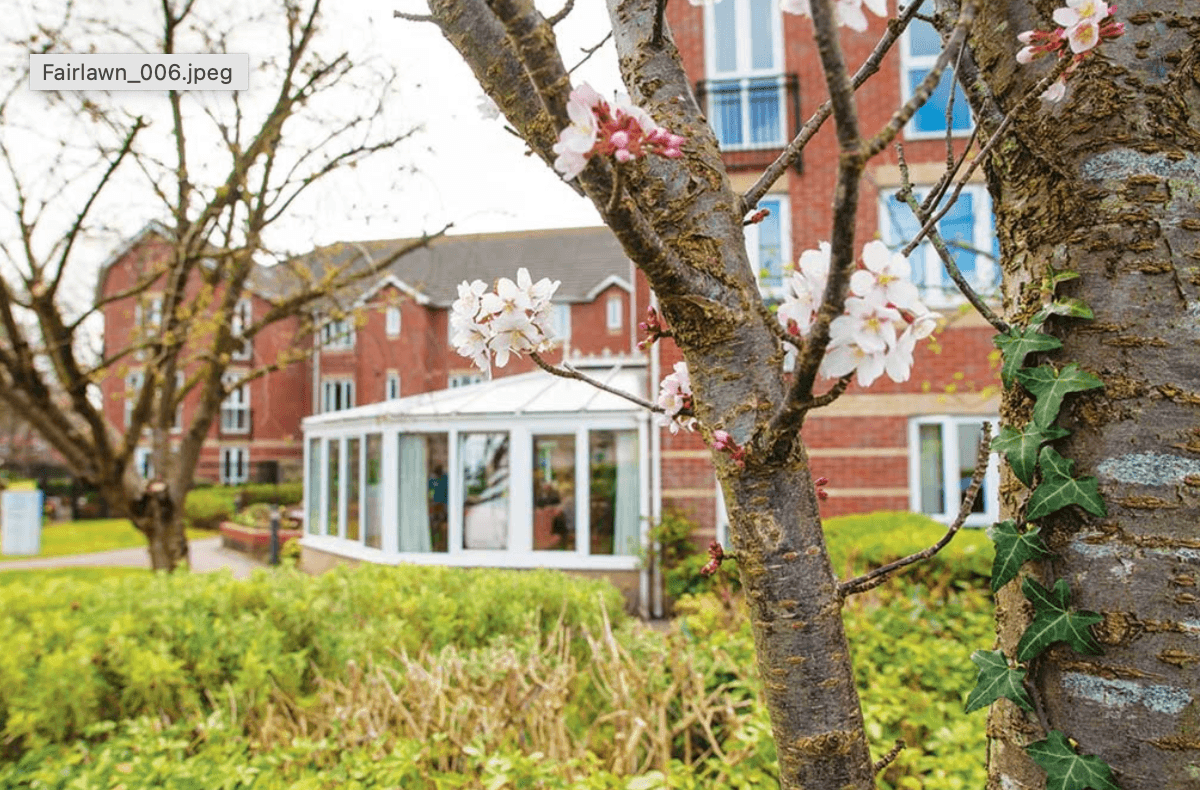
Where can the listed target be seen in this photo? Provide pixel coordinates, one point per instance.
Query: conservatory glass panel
(313, 517)
(353, 486)
(554, 492)
(424, 492)
(373, 517)
(613, 474)
(483, 464)
(333, 450)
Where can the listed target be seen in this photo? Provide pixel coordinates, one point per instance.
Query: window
(941, 462)
(333, 490)
(746, 88)
(919, 51)
(392, 319)
(768, 245)
(554, 500)
(392, 387)
(373, 496)
(235, 465)
(313, 489)
(613, 310)
(560, 323)
(133, 387)
(615, 525)
(147, 318)
(177, 424)
(424, 492)
(483, 463)
(337, 394)
(239, 322)
(143, 461)
(463, 379)
(353, 487)
(337, 335)
(235, 409)
(969, 232)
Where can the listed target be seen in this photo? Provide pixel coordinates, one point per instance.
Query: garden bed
(253, 541)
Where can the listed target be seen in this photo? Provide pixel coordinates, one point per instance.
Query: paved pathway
(207, 556)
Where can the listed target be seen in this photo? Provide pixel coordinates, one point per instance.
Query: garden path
(206, 553)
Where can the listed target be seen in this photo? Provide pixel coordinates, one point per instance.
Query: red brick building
(897, 446)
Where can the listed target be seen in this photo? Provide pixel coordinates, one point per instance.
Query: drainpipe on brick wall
(316, 370)
(656, 583)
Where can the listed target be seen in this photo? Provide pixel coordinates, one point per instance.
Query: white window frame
(909, 62)
(560, 321)
(334, 389)
(241, 320)
(744, 72)
(337, 335)
(235, 408)
(392, 320)
(614, 313)
(235, 460)
(925, 257)
(391, 389)
(781, 207)
(949, 425)
(134, 380)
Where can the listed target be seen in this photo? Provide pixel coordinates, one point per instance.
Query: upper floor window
(235, 465)
(919, 51)
(133, 388)
(392, 319)
(239, 322)
(392, 387)
(970, 234)
(235, 409)
(612, 313)
(337, 394)
(745, 89)
(942, 455)
(560, 322)
(147, 318)
(337, 334)
(143, 462)
(456, 380)
(768, 245)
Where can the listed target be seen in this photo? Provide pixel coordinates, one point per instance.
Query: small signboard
(21, 522)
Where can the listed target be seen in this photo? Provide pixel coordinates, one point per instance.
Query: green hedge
(78, 652)
(206, 508)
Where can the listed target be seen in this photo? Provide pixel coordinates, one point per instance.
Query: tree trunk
(1105, 184)
(158, 518)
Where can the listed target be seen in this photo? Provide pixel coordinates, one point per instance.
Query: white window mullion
(583, 492)
(454, 528)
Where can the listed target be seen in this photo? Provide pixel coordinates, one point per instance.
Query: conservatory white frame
(466, 410)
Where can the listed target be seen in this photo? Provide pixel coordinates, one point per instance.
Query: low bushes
(207, 507)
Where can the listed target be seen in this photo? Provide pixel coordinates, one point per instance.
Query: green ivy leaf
(1053, 621)
(1016, 343)
(1070, 307)
(1013, 549)
(1050, 386)
(1058, 489)
(1020, 447)
(997, 680)
(1066, 770)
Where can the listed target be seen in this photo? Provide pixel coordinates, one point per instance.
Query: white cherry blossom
(886, 277)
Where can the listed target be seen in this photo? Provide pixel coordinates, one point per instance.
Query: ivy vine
(1052, 487)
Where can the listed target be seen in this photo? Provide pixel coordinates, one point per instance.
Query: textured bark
(1107, 184)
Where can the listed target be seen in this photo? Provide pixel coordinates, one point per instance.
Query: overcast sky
(471, 171)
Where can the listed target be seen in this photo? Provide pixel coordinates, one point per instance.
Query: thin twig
(589, 51)
(831, 394)
(562, 14)
(1035, 91)
(568, 372)
(954, 45)
(614, 200)
(939, 244)
(878, 576)
(413, 17)
(659, 13)
(793, 150)
(887, 759)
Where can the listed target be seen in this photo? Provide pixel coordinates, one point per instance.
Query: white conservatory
(526, 471)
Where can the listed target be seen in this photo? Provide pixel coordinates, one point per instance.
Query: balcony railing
(752, 113)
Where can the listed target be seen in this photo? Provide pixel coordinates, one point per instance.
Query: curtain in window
(414, 495)
(626, 526)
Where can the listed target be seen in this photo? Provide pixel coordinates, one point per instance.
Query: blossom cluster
(618, 128)
(883, 320)
(512, 319)
(674, 398)
(654, 329)
(1084, 24)
(849, 12)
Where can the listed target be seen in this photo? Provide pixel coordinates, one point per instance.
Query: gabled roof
(585, 259)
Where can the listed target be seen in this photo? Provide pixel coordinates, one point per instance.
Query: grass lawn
(85, 537)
